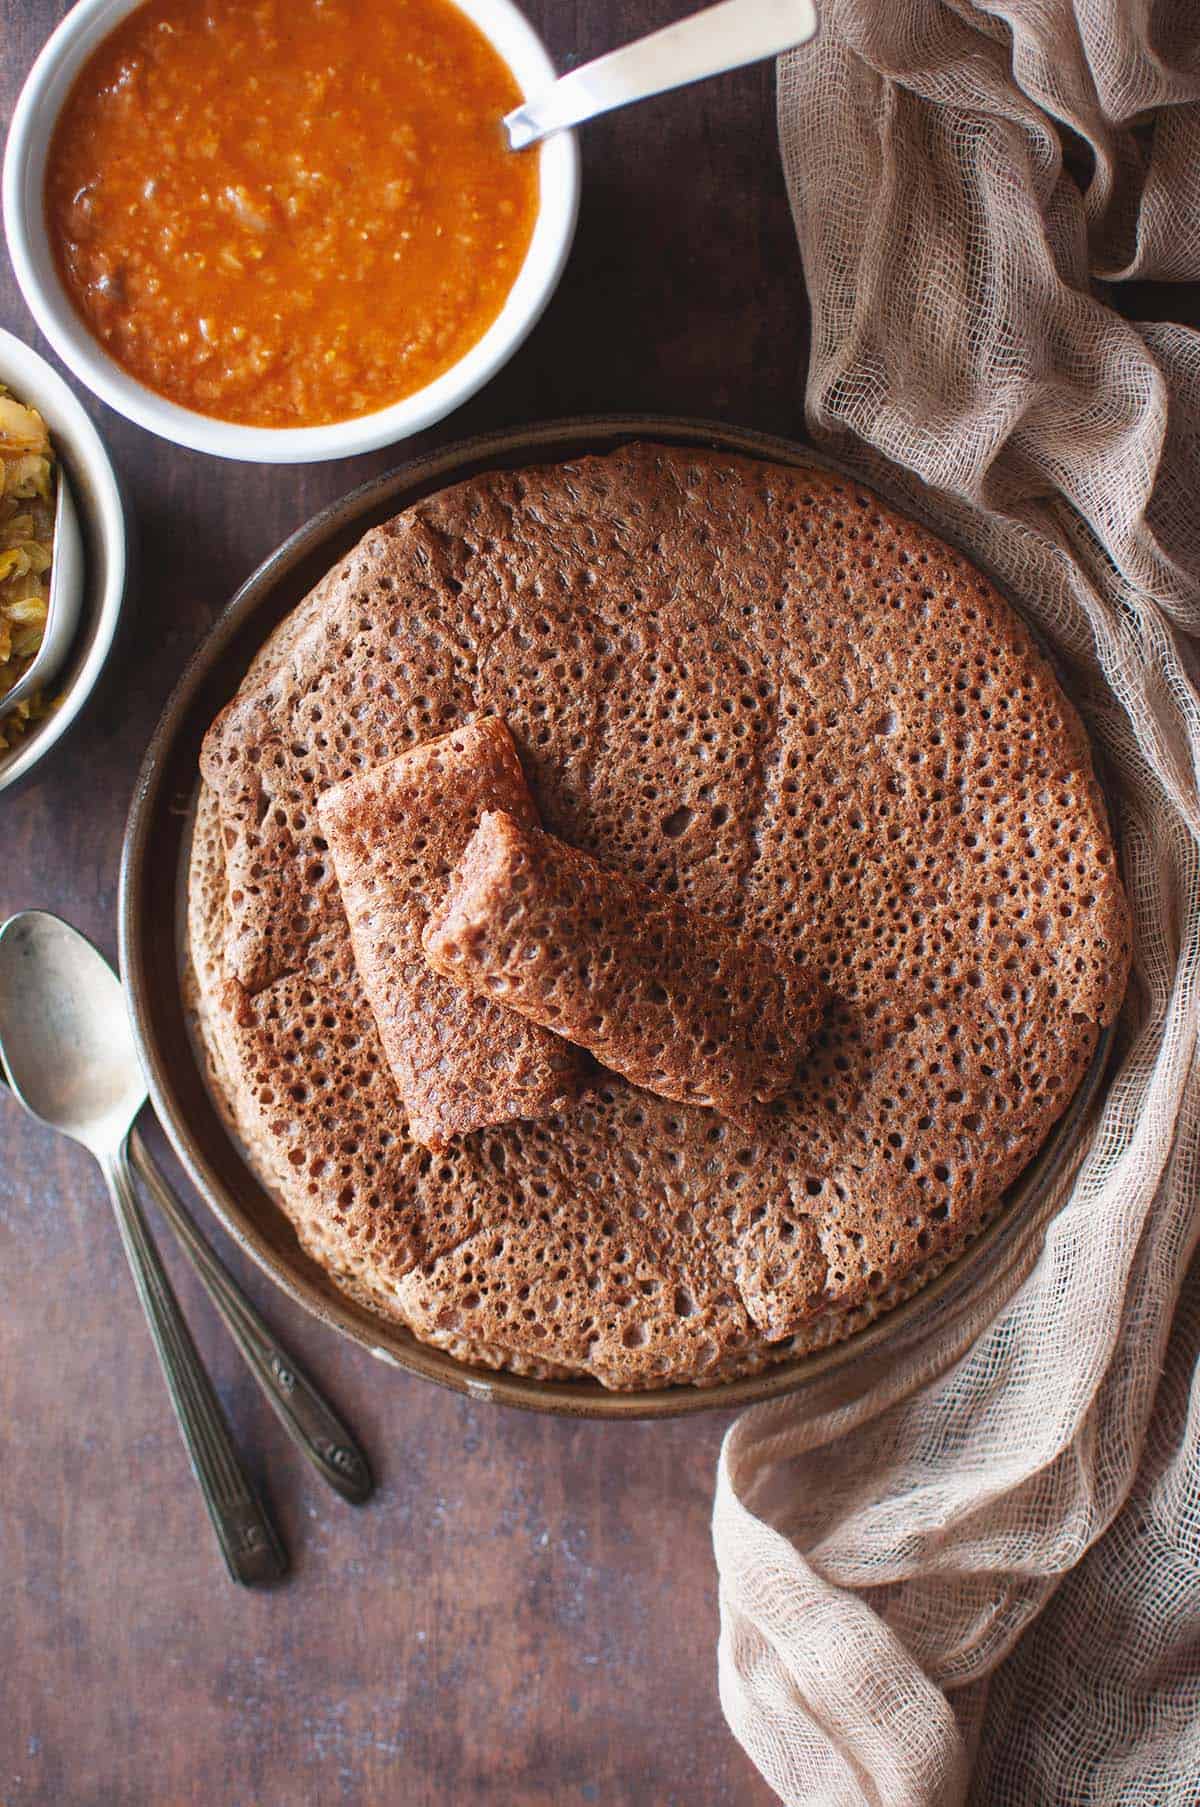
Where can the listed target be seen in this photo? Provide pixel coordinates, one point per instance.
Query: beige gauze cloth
(971, 1572)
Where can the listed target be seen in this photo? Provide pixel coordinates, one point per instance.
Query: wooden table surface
(526, 1612)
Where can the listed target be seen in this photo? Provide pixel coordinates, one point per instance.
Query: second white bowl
(97, 498)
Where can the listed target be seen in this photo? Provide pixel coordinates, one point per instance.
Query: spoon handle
(708, 43)
(308, 1419)
(248, 1540)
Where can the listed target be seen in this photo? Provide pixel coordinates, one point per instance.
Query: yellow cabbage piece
(26, 548)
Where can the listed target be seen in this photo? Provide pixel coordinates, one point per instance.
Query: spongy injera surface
(760, 690)
(676, 1003)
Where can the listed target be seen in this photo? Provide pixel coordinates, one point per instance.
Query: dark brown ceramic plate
(152, 866)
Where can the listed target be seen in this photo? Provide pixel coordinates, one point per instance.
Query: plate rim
(1010, 1233)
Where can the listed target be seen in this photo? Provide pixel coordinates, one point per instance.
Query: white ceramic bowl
(46, 88)
(97, 500)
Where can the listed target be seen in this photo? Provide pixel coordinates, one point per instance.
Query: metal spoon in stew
(708, 43)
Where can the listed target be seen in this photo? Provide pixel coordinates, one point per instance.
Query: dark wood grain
(527, 1611)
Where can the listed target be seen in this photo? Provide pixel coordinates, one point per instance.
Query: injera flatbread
(676, 1003)
(757, 689)
(395, 833)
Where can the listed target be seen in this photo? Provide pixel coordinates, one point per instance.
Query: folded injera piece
(678, 1004)
(394, 834)
(757, 688)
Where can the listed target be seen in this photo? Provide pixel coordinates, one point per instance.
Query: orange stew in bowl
(290, 212)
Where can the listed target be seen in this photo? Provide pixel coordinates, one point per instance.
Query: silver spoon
(64, 603)
(65, 1048)
(708, 43)
(57, 956)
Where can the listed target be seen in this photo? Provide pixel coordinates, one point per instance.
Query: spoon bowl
(65, 1041)
(65, 603)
